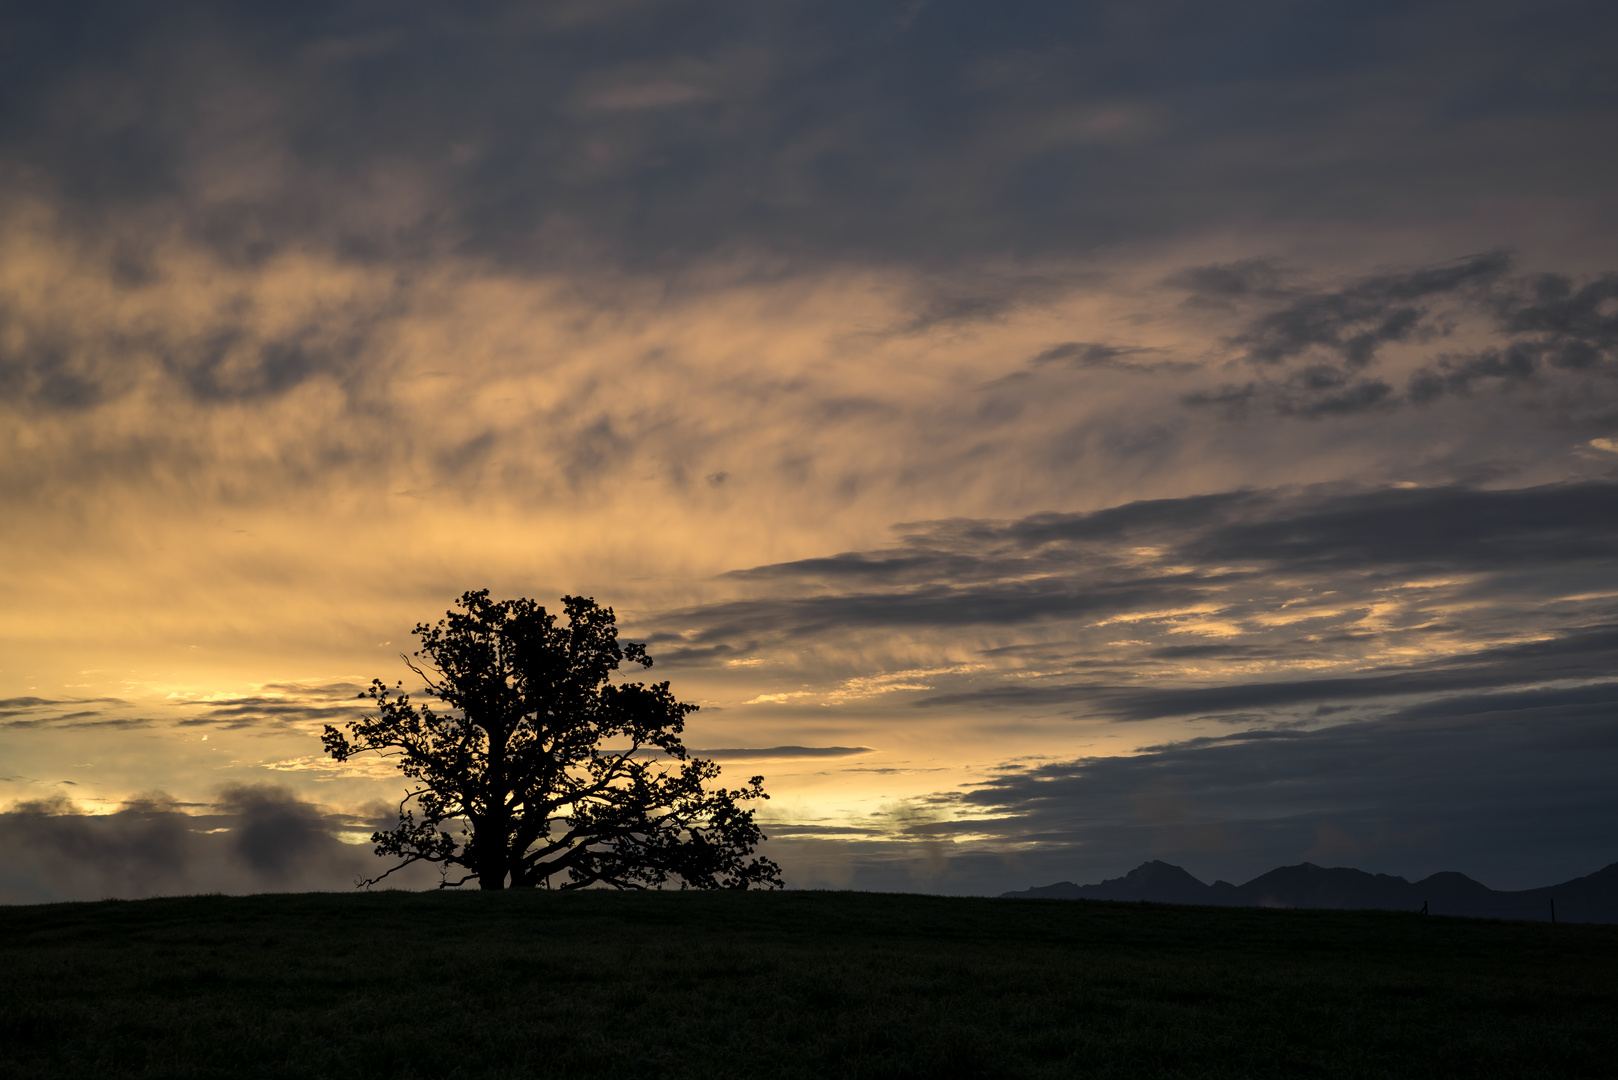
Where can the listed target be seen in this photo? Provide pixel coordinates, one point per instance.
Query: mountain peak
(1593, 898)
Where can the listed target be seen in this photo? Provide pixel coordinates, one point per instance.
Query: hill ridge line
(1592, 898)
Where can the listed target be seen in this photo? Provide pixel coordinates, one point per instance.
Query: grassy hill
(796, 984)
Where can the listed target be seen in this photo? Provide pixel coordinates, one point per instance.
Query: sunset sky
(1041, 436)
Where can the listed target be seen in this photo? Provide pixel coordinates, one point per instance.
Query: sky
(1041, 437)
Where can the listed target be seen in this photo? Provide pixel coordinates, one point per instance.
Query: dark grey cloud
(1353, 322)
(934, 605)
(1511, 788)
(15, 705)
(1280, 609)
(1468, 725)
(1451, 527)
(1576, 655)
(78, 720)
(1576, 323)
(331, 691)
(1051, 565)
(57, 359)
(288, 705)
(227, 368)
(1315, 346)
(283, 706)
(947, 299)
(650, 136)
(881, 128)
(783, 829)
(1557, 326)
(254, 838)
(1217, 285)
(1085, 354)
(1526, 704)
(274, 833)
(55, 713)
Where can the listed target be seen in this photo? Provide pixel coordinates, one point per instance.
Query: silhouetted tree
(516, 756)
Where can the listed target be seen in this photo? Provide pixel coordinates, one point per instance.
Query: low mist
(254, 838)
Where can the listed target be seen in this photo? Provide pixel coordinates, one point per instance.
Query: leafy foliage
(516, 754)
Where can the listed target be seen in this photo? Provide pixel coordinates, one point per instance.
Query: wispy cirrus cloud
(287, 706)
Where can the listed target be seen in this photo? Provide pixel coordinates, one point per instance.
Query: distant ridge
(1592, 899)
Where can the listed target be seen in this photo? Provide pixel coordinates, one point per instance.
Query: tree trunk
(490, 833)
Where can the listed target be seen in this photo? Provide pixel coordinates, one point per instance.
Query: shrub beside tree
(531, 767)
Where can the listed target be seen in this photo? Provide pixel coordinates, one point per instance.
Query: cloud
(1578, 655)
(277, 834)
(1557, 327)
(1256, 610)
(255, 838)
(770, 753)
(15, 703)
(1506, 787)
(280, 707)
(655, 95)
(1317, 344)
(48, 714)
(78, 720)
(1158, 554)
(290, 706)
(1354, 322)
(1082, 354)
(1218, 284)
(1509, 788)
(1039, 129)
(781, 752)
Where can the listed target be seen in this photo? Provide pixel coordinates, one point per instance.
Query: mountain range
(1592, 899)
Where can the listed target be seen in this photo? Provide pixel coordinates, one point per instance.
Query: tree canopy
(517, 755)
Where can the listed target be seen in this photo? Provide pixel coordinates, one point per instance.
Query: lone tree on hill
(517, 758)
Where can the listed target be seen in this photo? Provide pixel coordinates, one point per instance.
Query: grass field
(793, 984)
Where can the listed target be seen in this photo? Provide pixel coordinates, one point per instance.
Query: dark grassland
(791, 984)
